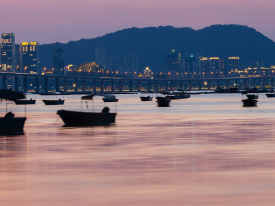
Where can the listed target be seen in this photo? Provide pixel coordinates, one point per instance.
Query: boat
(173, 97)
(9, 124)
(108, 98)
(270, 95)
(80, 118)
(24, 101)
(148, 98)
(249, 102)
(163, 101)
(252, 96)
(53, 102)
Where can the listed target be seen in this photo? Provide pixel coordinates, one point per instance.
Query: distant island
(151, 44)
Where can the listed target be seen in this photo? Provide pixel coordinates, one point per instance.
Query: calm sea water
(206, 150)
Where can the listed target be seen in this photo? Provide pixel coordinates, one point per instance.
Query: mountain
(152, 43)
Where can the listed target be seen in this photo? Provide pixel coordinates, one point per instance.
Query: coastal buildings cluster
(24, 58)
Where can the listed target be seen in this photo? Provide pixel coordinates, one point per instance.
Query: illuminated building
(58, 61)
(7, 52)
(189, 65)
(99, 56)
(233, 64)
(173, 62)
(214, 63)
(204, 69)
(29, 54)
(147, 73)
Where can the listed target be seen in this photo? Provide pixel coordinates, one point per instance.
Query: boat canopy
(90, 97)
(11, 95)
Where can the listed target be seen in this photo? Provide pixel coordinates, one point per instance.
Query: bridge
(44, 83)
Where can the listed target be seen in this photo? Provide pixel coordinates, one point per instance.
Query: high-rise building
(7, 52)
(189, 66)
(113, 63)
(173, 62)
(233, 64)
(99, 56)
(204, 67)
(223, 67)
(214, 63)
(29, 54)
(58, 61)
(130, 64)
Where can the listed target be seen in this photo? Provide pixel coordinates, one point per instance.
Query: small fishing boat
(173, 97)
(270, 95)
(24, 101)
(252, 96)
(53, 101)
(163, 101)
(109, 98)
(249, 102)
(9, 124)
(80, 118)
(145, 98)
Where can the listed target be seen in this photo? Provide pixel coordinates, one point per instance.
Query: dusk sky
(49, 21)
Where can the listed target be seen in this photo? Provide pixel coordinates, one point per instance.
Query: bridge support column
(254, 82)
(166, 85)
(218, 83)
(4, 81)
(45, 85)
(199, 85)
(83, 85)
(181, 84)
(75, 85)
(148, 86)
(94, 86)
(120, 86)
(57, 84)
(171, 85)
(190, 85)
(102, 86)
(112, 85)
(227, 84)
(263, 83)
(245, 83)
(272, 83)
(36, 85)
(130, 86)
(157, 86)
(208, 85)
(16, 83)
(64, 85)
(138, 83)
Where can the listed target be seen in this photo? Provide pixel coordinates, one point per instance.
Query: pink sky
(49, 21)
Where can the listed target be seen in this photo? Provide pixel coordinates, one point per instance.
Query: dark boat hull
(53, 102)
(173, 97)
(163, 101)
(146, 98)
(15, 124)
(110, 100)
(270, 95)
(24, 102)
(73, 118)
(250, 102)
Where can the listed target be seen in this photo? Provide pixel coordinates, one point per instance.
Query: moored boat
(80, 118)
(53, 102)
(163, 101)
(249, 102)
(252, 96)
(270, 95)
(24, 101)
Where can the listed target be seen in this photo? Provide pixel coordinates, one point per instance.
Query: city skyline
(62, 21)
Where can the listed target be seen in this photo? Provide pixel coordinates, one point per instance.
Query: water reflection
(145, 159)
